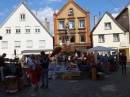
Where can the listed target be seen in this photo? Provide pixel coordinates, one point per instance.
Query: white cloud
(117, 9)
(14, 6)
(46, 12)
(1, 4)
(49, 1)
(2, 13)
(6, 9)
(30, 3)
(115, 14)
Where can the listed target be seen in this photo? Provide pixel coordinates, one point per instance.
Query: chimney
(48, 26)
(70, 0)
(87, 10)
(54, 11)
(46, 23)
(95, 21)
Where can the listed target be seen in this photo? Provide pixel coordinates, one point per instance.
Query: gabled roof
(71, 2)
(126, 8)
(31, 14)
(113, 21)
(121, 13)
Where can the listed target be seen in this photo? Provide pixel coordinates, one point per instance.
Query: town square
(76, 49)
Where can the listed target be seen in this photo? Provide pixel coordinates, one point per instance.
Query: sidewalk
(114, 85)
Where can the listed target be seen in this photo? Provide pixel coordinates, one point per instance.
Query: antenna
(24, 1)
(36, 13)
(99, 14)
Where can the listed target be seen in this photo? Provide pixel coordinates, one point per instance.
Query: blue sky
(45, 8)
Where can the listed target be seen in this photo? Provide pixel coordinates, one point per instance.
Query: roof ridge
(113, 21)
(71, 1)
(32, 15)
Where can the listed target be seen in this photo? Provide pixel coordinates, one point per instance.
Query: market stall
(101, 48)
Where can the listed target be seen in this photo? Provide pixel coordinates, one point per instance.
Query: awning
(35, 52)
(81, 49)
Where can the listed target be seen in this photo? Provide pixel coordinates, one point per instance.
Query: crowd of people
(32, 62)
(104, 64)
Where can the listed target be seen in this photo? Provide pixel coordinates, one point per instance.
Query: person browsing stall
(34, 80)
(2, 64)
(45, 64)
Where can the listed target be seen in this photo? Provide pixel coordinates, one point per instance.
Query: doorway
(122, 51)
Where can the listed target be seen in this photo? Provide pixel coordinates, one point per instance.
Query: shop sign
(123, 44)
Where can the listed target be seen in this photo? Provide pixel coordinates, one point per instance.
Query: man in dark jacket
(2, 63)
(44, 64)
(123, 63)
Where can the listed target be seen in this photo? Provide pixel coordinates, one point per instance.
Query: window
(72, 38)
(82, 38)
(8, 30)
(71, 24)
(42, 43)
(29, 43)
(4, 44)
(37, 29)
(107, 26)
(116, 37)
(27, 30)
(61, 25)
(71, 11)
(17, 44)
(17, 30)
(81, 24)
(22, 16)
(101, 38)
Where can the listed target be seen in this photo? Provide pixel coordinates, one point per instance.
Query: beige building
(109, 33)
(79, 24)
(124, 20)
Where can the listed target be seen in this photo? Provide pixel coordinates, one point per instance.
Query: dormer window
(71, 12)
(22, 16)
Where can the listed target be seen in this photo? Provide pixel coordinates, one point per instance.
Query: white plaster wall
(109, 40)
(14, 21)
(101, 28)
(108, 34)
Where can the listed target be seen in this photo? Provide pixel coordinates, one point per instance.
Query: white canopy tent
(100, 48)
(81, 49)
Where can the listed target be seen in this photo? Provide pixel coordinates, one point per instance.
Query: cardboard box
(75, 77)
(59, 75)
(75, 73)
(10, 78)
(20, 84)
(13, 85)
(66, 76)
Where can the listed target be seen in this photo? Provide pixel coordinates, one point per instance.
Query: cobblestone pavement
(114, 85)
